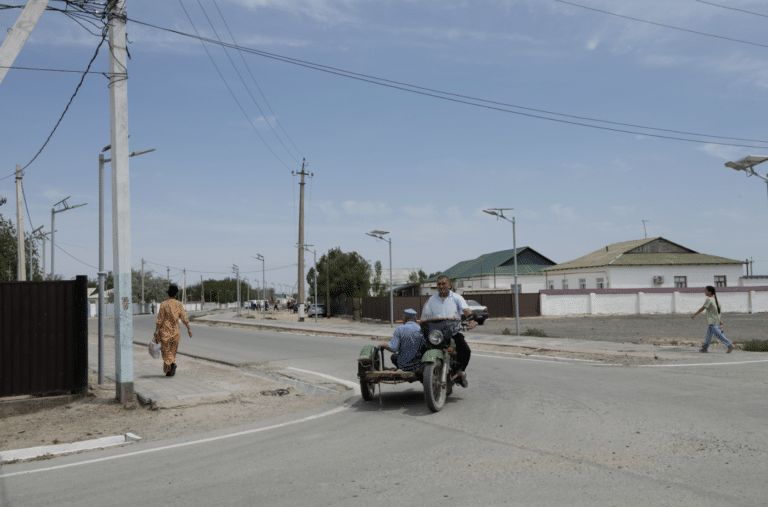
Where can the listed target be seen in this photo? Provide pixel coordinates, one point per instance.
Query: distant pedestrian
(714, 321)
(167, 332)
(153, 308)
(266, 305)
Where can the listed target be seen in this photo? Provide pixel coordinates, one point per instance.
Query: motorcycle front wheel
(434, 393)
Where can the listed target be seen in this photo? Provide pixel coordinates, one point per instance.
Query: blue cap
(410, 314)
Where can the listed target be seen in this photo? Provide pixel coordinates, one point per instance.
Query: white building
(644, 263)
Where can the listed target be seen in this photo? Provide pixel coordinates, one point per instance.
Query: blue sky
(213, 194)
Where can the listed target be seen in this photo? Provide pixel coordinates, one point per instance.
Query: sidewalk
(382, 332)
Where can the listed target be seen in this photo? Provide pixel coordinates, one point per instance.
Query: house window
(551, 285)
(681, 281)
(720, 281)
(565, 284)
(582, 283)
(600, 284)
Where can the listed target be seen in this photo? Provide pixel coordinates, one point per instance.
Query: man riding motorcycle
(446, 304)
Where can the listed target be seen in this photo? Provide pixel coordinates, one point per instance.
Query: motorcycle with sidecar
(438, 370)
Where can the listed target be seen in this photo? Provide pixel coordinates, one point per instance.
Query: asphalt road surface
(526, 432)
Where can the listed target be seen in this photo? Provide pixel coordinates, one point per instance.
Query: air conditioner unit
(658, 279)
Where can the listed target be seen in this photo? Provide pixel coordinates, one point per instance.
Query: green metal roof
(619, 254)
(485, 264)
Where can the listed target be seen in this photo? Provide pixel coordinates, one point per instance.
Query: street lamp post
(380, 235)
(237, 273)
(260, 257)
(102, 274)
(499, 213)
(66, 207)
(248, 292)
(746, 164)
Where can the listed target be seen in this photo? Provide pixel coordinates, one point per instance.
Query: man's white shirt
(450, 307)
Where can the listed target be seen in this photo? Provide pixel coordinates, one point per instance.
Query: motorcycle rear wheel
(434, 393)
(367, 390)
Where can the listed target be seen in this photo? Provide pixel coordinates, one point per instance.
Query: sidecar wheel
(367, 390)
(434, 394)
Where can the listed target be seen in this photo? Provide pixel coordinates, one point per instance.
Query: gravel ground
(739, 327)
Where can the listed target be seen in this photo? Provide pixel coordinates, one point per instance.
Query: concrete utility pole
(644, 231)
(499, 213)
(19, 34)
(21, 269)
(202, 293)
(142, 285)
(168, 274)
(184, 290)
(260, 257)
(121, 203)
(41, 236)
(301, 239)
(380, 235)
(237, 276)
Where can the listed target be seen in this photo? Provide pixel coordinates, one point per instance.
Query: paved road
(526, 432)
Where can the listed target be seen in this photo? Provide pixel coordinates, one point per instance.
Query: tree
(418, 277)
(349, 275)
(9, 252)
(379, 288)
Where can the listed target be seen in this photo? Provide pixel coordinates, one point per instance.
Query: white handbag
(154, 349)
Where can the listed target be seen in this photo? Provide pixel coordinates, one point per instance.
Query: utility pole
(41, 236)
(184, 290)
(301, 239)
(142, 285)
(168, 274)
(202, 293)
(646, 232)
(66, 207)
(18, 35)
(237, 277)
(121, 203)
(32, 235)
(21, 270)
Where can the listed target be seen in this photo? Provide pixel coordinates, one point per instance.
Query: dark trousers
(463, 351)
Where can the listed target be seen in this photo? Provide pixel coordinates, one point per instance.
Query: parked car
(316, 309)
(479, 311)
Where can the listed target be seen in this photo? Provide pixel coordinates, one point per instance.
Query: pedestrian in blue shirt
(407, 343)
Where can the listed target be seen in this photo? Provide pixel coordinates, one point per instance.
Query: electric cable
(257, 84)
(227, 85)
(105, 74)
(663, 25)
(416, 90)
(733, 9)
(78, 260)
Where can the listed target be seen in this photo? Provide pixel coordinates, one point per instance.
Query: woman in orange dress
(167, 332)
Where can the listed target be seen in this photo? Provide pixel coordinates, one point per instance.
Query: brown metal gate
(43, 337)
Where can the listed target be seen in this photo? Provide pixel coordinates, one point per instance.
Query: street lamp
(314, 252)
(102, 274)
(746, 164)
(65, 207)
(260, 257)
(248, 291)
(380, 235)
(499, 213)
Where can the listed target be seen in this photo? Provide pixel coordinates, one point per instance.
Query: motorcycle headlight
(435, 337)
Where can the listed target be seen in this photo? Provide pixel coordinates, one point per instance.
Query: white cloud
(592, 44)
(721, 152)
(563, 211)
(365, 208)
(422, 212)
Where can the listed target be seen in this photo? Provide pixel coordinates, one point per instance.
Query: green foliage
(378, 288)
(9, 252)
(418, 277)
(345, 274)
(225, 291)
(756, 346)
(532, 331)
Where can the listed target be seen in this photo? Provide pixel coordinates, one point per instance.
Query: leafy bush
(507, 332)
(756, 346)
(532, 331)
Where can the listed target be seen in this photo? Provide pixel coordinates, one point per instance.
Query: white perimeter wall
(644, 302)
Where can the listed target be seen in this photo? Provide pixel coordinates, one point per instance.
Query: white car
(316, 309)
(479, 311)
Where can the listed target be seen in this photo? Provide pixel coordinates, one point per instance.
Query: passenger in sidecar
(407, 344)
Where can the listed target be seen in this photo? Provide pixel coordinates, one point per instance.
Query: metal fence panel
(43, 337)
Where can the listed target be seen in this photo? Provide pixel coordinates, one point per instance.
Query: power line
(202, 39)
(734, 9)
(78, 260)
(663, 25)
(243, 80)
(434, 93)
(105, 74)
(257, 84)
(95, 54)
